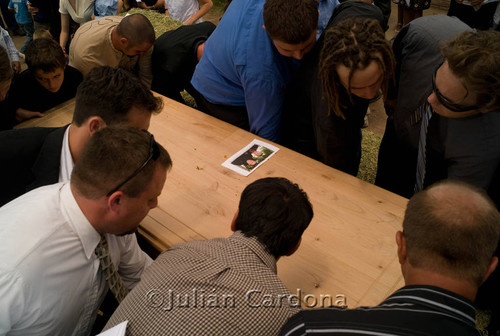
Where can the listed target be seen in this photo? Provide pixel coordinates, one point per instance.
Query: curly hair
(354, 43)
(474, 57)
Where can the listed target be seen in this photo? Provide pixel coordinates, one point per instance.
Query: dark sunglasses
(154, 153)
(446, 102)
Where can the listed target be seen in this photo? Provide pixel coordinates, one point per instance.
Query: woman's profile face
(365, 83)
(4, 88)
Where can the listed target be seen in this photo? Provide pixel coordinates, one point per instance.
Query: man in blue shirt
(247, 61)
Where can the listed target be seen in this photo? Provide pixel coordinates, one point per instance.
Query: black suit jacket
(29, 158)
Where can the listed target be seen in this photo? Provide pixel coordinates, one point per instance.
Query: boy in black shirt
(46, 83)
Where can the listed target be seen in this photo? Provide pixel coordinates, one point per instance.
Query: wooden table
(349, 248)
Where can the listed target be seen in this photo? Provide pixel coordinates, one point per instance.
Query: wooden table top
(349, 248)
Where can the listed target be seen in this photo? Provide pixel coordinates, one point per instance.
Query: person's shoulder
(22, 137)
(73, 73)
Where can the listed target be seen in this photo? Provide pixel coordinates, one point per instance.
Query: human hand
(31, 9)
(22, 114)
(16, 66)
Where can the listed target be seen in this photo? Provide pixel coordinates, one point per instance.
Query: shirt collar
(257, 247)
(78, 222)
(66, 161)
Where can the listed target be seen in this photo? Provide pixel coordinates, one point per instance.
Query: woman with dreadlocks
(351, 65)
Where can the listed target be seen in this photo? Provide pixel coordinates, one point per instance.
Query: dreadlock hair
(354, 42)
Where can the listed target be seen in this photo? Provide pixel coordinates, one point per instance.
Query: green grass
(369, 155)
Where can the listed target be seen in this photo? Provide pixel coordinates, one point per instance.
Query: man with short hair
(46, 83)
(34, 157)
(450, 232)
(124, 42)
(247, 61)
(62, 246)
(238, 273)
(445, 123)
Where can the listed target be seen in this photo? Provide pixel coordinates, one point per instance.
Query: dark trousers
(397, 164)
(235, 115)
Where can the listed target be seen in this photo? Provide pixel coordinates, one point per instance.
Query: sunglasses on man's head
(445, 101)
(154, 153)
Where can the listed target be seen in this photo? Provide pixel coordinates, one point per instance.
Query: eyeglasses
(154, 153)
(446, 102)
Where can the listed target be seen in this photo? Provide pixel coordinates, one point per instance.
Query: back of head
(276, 212)
(474, 57)
(291, 21)
(137, 29)
(110, 93)
(45, 54)
(453, 229)
(6, 72)
(354, 43)
(111, 156)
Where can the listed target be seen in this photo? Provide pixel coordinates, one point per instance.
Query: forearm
(204, 9)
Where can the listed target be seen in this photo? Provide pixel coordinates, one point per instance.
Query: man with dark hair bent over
(34, 157)
(237, 273)
(450, 232)
(247, 61)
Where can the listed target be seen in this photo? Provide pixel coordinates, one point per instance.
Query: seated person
(327, 100)
(442, 275)
(187, 11)
(46, 83)
(271, 217)
(247, 62)
(39, 156)
(64, 245)
(104, 8)
(175, 55)
(115, 41)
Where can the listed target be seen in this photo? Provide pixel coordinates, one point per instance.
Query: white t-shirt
(182, 10)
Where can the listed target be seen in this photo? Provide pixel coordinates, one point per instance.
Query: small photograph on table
(250, 157)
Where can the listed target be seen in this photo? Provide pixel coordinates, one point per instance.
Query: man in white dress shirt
(51, 281)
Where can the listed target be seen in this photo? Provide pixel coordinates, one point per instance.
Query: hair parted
(6, 72)
(110, 93)
(111, 155)
(354, 42)
(474, 57)
(291, 21)
(137, 29)
(45, 54)
(276, 212)
(452, 228)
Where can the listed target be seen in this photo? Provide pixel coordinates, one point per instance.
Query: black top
(174, 58)
(306, 125)
(412, 310)
(25, 92)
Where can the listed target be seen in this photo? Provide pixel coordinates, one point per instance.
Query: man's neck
(431, 278)
(115, 39)
(77, 138)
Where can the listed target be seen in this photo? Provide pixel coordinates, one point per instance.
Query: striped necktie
(113, 279)
(425, 111)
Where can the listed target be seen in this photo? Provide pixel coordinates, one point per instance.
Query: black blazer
(29, 158)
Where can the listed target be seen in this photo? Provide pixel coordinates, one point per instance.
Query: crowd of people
(301, 73)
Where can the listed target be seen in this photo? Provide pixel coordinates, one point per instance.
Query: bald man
(450, 232)
(118, 42)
